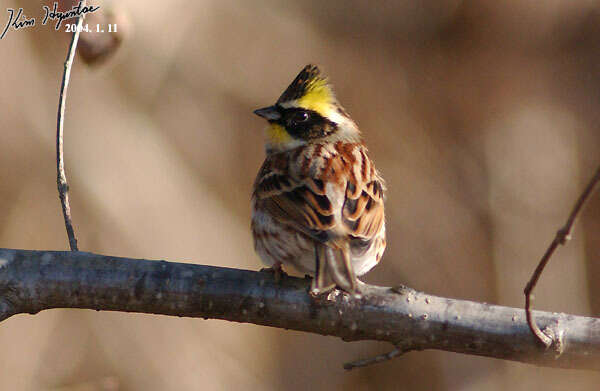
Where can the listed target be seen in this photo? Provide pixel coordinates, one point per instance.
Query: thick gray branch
(31, 281)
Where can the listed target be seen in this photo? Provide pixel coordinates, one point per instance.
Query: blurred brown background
(484, 118)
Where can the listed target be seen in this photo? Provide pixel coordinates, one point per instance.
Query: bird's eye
(300, 116)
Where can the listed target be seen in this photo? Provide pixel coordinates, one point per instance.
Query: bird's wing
(302, 205)
(363, 208)
(307, 204)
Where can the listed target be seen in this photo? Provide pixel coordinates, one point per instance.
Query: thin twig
(562, 236)
(61, 180)
(374, 360)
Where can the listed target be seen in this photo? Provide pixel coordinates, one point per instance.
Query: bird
(318, 200)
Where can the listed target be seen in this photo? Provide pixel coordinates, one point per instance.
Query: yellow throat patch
(277, 135)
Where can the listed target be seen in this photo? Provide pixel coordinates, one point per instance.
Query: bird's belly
(276, 242)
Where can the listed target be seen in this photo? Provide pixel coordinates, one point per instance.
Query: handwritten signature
(20, 20)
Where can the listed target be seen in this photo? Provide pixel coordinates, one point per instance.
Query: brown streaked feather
(302, 209)
(299, 198)
(363, 212)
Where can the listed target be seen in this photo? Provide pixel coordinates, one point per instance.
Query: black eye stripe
(294, 112)
(300, 116)
(314, 126)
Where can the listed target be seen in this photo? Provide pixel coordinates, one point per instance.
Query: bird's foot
(277, 270)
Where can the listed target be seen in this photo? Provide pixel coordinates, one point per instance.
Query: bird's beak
(269, 113)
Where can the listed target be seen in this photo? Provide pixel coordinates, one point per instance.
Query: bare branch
(32, 281)
(61, 179)
(562, 236)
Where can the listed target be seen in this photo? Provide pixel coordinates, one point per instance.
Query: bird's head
(307, 112)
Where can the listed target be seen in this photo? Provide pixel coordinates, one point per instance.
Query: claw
(278, 273)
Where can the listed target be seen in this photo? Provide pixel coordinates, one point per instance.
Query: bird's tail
(334, 268)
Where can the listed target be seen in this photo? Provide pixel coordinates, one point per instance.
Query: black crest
(301, 83)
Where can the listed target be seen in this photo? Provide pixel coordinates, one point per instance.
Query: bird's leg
(278, 272)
